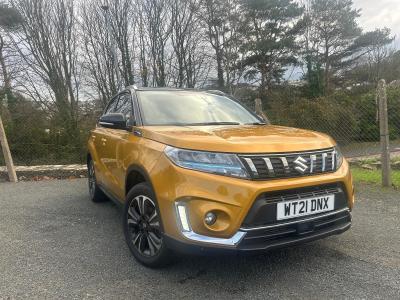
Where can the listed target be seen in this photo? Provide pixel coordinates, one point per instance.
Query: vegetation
(62, 60)
(373, 176)
(347, 115)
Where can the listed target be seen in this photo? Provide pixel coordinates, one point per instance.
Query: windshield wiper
(212, 123)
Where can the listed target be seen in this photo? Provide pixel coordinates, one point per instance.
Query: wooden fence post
(7, 154)
(259, 110)
(384, 133)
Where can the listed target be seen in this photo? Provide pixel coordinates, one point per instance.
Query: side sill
(112, 197)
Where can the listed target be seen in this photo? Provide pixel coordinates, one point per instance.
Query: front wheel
(143, 229)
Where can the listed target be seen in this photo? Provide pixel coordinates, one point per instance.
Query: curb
(46, 172)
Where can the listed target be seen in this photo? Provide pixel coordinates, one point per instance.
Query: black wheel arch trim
(91, 156)
(142, 171)
(146, 176)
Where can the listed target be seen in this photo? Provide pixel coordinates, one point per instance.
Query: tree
(183, 24)
(332, 36)
(141, 31)
(379, 63)
(391, 66)
(314, 77)
(188, 43)
(123, 32)
(182, 18)
(10, 19)
(378, 51)
(233, 53)
(334, 42)
(213, 13)
(97, 43)
(99, 64)
(48, 46)
(270, 32)
(159, 29)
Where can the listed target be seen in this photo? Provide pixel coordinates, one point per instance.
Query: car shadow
(234, 274)
(242, 270)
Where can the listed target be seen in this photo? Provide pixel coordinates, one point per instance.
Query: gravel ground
(55, 243)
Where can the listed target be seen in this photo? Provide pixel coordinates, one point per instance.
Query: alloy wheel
(144, 226)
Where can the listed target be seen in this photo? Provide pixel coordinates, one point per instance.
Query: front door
(99, 137)
(116, 146)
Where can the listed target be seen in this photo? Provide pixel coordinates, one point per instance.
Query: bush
(37, 137)
(321, 114)
(367, 113)
(346, 115)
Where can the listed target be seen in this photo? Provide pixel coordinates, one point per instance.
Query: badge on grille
(300, 163)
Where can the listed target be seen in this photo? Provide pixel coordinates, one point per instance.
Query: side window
(124, 105)
(111, 106)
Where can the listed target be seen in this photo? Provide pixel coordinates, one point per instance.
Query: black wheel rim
(144, 226)
(91, 179)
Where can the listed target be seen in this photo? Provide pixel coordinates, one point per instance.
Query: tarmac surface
(56, 243)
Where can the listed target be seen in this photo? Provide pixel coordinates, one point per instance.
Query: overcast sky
(380, 13)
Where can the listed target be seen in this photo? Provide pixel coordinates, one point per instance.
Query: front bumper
(250, 240)
(233, 199)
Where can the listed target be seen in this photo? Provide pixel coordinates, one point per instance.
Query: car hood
(239, 138)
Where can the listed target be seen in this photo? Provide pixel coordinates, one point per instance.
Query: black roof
(173, 89)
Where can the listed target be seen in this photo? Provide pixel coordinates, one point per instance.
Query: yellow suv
(198, 172)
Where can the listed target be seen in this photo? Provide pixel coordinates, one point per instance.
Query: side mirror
(116, 121)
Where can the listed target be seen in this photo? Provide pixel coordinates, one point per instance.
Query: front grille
(286, 165)
(264, 209)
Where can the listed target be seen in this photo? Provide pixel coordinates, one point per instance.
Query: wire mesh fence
(46, 148)
(36, 137)
(31, 154)
(350, 118)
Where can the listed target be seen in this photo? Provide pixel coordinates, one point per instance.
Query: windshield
(191, 108)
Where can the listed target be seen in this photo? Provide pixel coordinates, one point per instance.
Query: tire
(95, 193)
(143, 228)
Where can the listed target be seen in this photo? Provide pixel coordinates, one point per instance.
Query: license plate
(305, 207)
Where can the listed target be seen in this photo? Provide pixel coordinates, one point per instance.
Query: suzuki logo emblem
(300, 164)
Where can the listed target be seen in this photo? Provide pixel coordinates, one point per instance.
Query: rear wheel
(143, 229)
(96, 194)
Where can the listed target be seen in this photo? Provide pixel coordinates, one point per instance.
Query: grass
(373, 176)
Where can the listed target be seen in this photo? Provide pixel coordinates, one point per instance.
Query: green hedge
(348, 116)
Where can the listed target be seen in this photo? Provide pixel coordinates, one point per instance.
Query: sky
(374, 14)
(380, 13)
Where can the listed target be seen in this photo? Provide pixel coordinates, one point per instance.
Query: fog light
(210, 218)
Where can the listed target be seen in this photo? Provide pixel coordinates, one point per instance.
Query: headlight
(339, 157)
(210, 162)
